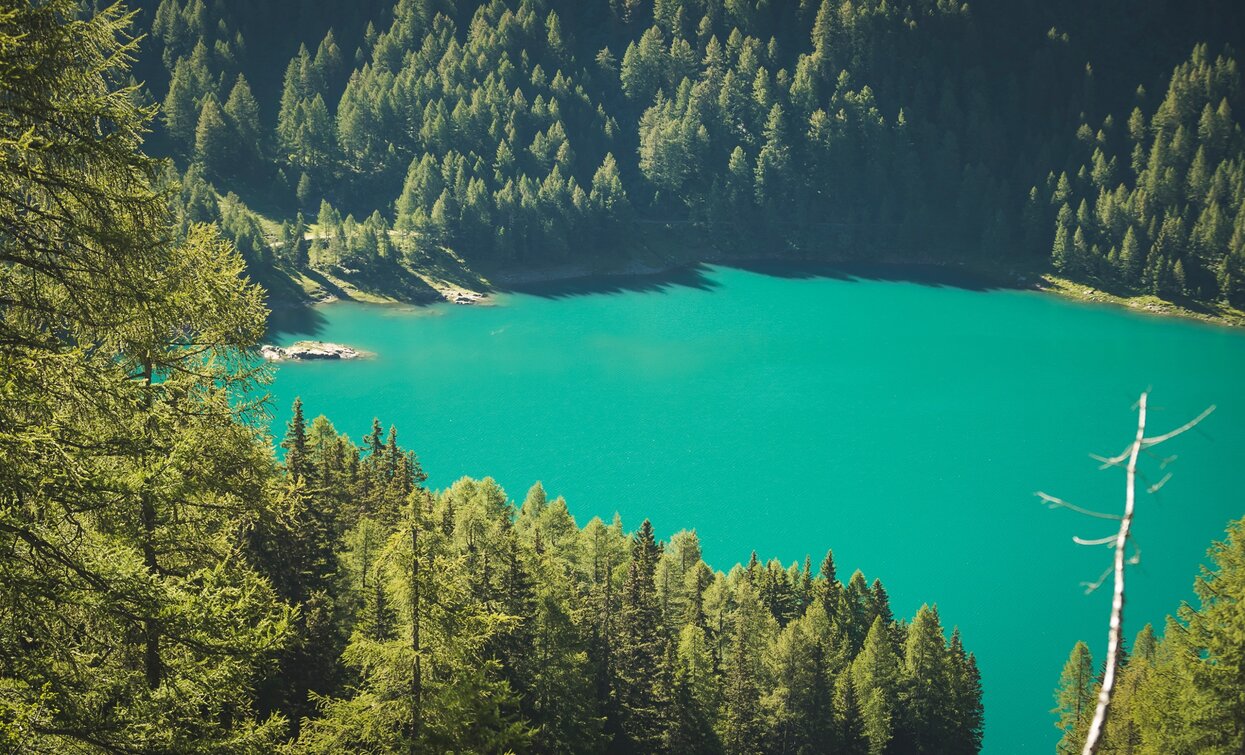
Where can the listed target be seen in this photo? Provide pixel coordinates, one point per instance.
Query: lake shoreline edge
(506, 280)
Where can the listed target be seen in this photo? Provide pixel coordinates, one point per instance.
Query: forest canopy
(540, 132)
(170, 586)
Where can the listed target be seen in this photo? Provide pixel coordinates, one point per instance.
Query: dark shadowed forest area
(1099, 138)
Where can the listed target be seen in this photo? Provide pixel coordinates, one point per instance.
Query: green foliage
(1180, 693)
(1166, 229)
(875, 674)
(128, 480)
(466, 622)
(1075, 698)
(214, 145)
(537, 132)
(242, 110)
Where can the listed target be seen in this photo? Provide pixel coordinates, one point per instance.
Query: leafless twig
(1059, 502)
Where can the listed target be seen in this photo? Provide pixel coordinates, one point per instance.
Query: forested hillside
(526, 631)
(1177, 693)
(1158, 203)
(169, 587)
(542, 132)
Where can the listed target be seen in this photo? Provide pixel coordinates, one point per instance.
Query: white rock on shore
(310, 350)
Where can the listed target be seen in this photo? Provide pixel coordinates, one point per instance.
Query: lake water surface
(903, 422)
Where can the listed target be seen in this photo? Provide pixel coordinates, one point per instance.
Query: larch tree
(1074, 698)
(876, 674)
(128, 481)
(641, 662)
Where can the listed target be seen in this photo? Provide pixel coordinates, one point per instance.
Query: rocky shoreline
(311, 350)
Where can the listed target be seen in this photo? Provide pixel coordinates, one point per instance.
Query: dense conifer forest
(532, 133)
(168, 585)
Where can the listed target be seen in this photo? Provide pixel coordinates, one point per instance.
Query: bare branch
(1107, 463)
(1158, 485)
(1099, 541)
(1115, 461)
(1148, 442)
(1092, 586)
(1059, 502)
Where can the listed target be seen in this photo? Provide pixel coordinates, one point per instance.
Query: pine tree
(875, 672)
(608, 196)
(1123, 732)
(641, 672)
(855, 611)
(968, 714)
(774, 160)
(180, 110)
(1191, 700)
(1131, 260)
(806, 658)
(741, 723)
(295, 443)
(213, 145)
(852, 736)
(693, 698)
(305, 193)
(167, 473)
(1075, 699)
(243, 112)
(927, 693)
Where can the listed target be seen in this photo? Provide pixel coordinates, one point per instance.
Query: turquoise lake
(903, 421)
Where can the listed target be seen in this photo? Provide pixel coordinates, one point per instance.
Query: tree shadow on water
(689, 276)
(699, 276)
(297, 319)
(934, 276)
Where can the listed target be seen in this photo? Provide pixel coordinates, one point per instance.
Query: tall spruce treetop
(295, 443)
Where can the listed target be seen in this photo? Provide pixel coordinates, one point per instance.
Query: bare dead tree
(1119, 543)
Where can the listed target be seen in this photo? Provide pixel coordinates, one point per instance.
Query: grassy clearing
(1214, 312)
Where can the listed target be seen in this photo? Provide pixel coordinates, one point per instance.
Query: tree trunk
(151, 629)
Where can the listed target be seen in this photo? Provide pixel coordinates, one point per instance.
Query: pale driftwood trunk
(1098, 725)
(1119, 543)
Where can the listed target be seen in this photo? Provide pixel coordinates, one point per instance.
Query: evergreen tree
(133, 549)
(1075, 699)
(213, 144)
(693, 698)
(968, 715)
(180, 110)
(741, 722)
(305, 193)
(875, 673)
(295, 443)
(851, 734)
(927, 693)
(242, 110)
(641, 671)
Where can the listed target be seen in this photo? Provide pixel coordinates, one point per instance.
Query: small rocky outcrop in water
(311, 350)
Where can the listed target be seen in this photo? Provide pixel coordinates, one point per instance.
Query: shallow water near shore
(904, 420)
